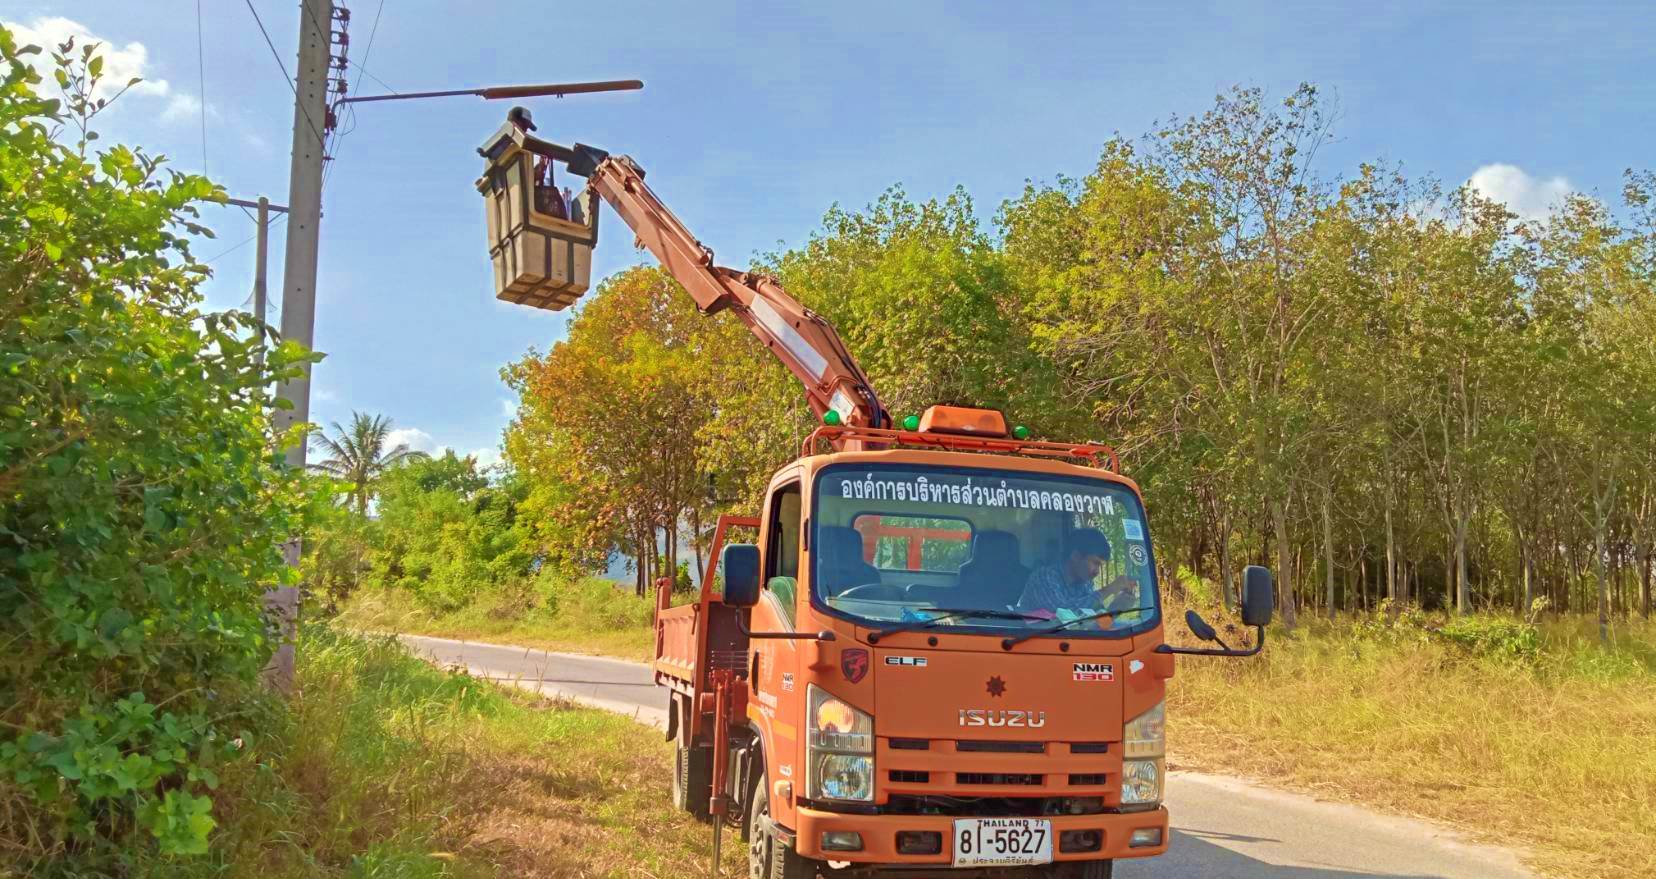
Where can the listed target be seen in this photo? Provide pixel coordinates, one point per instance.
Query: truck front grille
(1002, 747)
(998, 778)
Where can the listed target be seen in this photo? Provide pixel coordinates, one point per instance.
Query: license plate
(1002, 842)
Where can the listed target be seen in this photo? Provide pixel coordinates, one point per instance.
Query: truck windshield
(938, 547)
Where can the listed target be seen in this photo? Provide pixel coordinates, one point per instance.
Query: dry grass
(591, 617)
(1555, 752)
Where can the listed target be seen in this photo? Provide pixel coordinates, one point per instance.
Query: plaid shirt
(1047, 590)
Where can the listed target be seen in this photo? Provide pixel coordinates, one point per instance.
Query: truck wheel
(692, 780)
(769, 857)
(1083, 870)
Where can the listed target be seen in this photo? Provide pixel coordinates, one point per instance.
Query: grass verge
(588, 616)
(388, 768)
(1516, 734)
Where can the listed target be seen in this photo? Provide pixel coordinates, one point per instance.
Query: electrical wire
(361, 69)
(201, 74)
(291, 87)
(243, 243)
(364, 71)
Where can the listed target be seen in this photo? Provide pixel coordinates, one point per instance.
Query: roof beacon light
(963, 421)
(831, 418)
(911, 422)
(1020, 432)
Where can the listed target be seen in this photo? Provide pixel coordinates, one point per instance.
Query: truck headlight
(839, 749)
(1144, 746)
(1141, 782)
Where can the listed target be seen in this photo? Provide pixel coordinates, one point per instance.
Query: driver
(1069, 584)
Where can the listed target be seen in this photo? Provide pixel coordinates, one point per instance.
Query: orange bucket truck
(942, 650)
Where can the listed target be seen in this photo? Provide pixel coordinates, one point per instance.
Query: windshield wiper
(949, 613)
(1009, 643)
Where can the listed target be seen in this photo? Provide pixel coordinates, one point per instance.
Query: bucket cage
(539, 259)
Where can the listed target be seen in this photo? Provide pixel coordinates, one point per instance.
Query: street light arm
(502, 92)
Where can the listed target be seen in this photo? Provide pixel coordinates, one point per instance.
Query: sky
(755, 118)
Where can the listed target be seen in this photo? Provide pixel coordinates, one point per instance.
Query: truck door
(776, 661)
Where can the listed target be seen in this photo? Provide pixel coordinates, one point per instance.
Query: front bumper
(879, 835)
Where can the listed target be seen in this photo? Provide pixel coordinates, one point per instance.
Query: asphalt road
(1222, 827)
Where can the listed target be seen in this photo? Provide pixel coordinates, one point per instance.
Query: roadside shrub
(1493, 636)
(143, 496)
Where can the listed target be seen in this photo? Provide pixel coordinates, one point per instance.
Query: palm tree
(359, 455)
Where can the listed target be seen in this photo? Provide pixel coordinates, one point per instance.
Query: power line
(201, 73)
(369, 50)
(291, 87)
(364, 71)
(243, 243)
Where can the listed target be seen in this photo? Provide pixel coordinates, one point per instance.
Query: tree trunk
(1328, 545)
(1526, 573)
(1225, 584)
(1285, 558)
(1603, 584)
(1463, 598)
(1391, 554)
(696, 540)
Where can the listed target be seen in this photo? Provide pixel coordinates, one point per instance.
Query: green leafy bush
(143, 499)
(446, 535)
(1496, 636)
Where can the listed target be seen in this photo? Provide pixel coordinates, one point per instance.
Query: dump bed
(694, 639)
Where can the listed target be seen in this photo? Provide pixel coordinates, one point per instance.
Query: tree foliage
(144, 496)
(446, 535)
(1380, 388)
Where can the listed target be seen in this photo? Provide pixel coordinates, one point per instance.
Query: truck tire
(769, 857)
(692, 780)
(1083, 870)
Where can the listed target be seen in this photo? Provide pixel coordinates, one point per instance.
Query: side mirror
(741, 574)
(1258, 596)
(1199, 627)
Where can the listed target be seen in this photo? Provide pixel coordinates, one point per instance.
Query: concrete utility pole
(261, 261)
(310, 112)
(261, 266)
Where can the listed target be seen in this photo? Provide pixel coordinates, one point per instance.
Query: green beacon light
(911, 422)
(831, 418)
(1020, 432)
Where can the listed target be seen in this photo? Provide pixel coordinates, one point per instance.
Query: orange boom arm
(797, 336)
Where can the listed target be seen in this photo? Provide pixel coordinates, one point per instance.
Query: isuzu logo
(1002, 717)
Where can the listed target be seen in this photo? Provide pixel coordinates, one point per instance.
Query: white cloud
(323, 395)
(415, 438)
(121, 63)
(1531, 198)
(509, 408)
(420, 441)
(486, 457)
(182, 106)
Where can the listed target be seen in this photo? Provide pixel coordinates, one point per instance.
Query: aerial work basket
(539, 259)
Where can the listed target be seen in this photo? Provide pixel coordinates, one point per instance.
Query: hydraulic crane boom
(805, 343)
(542, 258)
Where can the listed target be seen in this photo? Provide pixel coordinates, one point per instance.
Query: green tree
(357, 455)
(446, 535)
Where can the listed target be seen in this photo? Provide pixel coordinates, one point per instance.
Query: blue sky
(755, 118)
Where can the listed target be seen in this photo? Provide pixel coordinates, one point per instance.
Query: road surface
(1222, 827)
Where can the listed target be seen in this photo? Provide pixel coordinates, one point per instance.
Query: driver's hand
(1122, 587)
